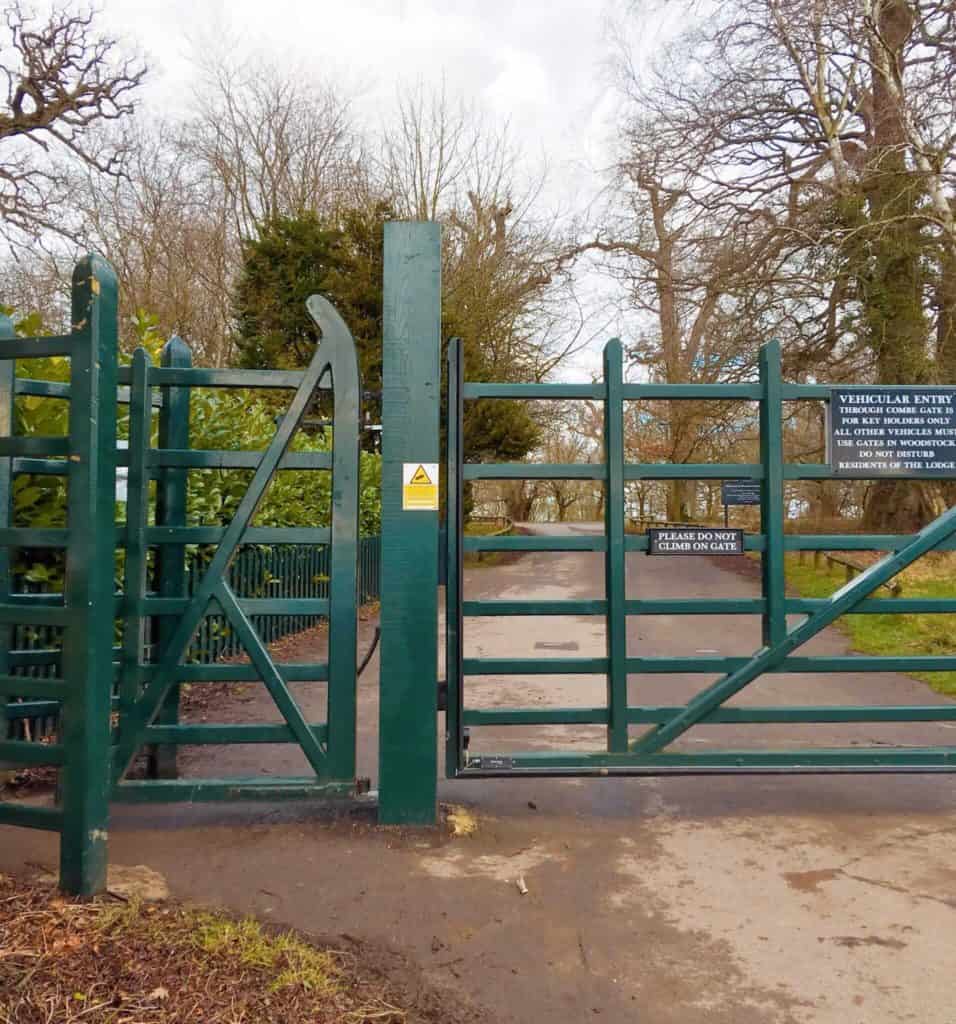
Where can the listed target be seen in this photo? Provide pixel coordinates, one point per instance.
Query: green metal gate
(113, 702)
(648, 751)
(147, 716)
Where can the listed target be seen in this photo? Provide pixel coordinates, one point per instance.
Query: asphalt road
(717, 899)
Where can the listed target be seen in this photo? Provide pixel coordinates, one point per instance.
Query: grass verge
(486, 559)
(110, 962)
(933, 576)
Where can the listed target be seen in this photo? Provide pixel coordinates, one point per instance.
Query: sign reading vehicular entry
(892, 431)
(694, 540)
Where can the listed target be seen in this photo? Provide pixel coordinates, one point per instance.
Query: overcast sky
(541, 64)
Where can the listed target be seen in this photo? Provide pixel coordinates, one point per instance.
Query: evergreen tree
(295, 257)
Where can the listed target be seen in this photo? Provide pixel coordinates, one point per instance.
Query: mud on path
(676, 900)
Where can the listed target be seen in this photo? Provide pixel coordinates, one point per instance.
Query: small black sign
(740, 492)
(892, 431)
(695, 540)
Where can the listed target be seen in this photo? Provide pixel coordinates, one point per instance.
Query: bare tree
(274, 140)
(263, 142)
(64, 84)
(689, 273)
(506, 286)
(168, 233)
(827, 129)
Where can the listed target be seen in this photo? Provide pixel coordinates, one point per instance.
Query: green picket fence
(285, 571)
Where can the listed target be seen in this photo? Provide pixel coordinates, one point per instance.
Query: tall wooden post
(7, 381)
(89, 586)
(408, 757)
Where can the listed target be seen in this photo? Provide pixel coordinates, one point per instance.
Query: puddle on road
(455, 862)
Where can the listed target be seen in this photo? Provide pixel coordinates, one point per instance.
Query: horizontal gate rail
(292, 672)
(37, 348)
(702, 665)
(195, 458)
(650, 754)
(738, 715)
(199, 735)
(163, 791)
(660, 471)
(203, 377)
(861, 760)
(708, 606)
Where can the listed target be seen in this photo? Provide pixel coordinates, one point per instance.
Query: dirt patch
(855, 941)
(810, 881)
(113, 961)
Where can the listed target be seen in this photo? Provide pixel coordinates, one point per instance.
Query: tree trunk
(946, 318)
(828, 501)
(901, 506)
(892, 274)
(680, 501)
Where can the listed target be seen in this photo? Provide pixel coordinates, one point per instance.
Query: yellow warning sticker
(420, 486)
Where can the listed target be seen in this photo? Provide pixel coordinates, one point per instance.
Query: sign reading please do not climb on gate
(695, 541)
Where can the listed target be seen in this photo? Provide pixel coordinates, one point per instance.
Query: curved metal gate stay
(648, 751)
(147, 716)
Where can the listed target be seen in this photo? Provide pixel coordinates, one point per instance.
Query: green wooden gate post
(614, 558)
(408, 757)
(774, 623)
(88, 588)
(454, 591)
(7, 381)
(171, 511)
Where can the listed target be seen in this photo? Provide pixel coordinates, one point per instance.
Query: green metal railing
(646, 752)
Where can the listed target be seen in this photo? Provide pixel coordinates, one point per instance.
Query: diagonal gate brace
(842, 602)
(274, 683)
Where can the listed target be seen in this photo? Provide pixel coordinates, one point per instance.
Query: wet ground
(744, 899)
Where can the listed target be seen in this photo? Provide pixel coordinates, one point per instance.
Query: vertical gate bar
(171, 491)
(137, 514)
(343, 567)
(408, 750)
(454, 638)
(614, 559)
(88, 588)
(774, 621)
(7, 382)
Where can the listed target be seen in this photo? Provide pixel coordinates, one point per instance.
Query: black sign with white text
(695, 540)
(892, 431)
(740, 492)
